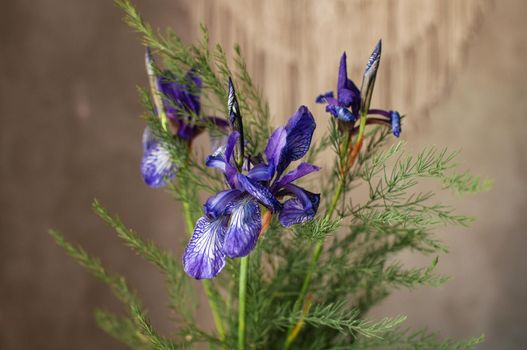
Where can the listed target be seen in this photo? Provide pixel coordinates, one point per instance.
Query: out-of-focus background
(69, 132)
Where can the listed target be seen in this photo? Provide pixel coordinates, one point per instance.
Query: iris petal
(156, 165)
(204, 256)
(325, 98)
(341, 113)
(262, 172)
(216, 161)
(347, 92)
(259, 192)
(244, 226)
(275, 145)
(299, 209)
(180, 95)
(231, 143)
(300, 128)
(302, 170)
(396, 123)
(219, 204)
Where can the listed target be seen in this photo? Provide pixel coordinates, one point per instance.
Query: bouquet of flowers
(285, 263)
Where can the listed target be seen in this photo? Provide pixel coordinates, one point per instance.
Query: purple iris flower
(351, 101)
(232, 220)
(176, 104)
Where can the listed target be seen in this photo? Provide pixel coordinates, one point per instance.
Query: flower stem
(241, 308)
(207, 285)
(347, 159)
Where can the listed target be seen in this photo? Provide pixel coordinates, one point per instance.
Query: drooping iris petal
(326, 98)
(299, 128)
(180, 96)
(275, 145)
(262, 172)
(347, 92)
(341, 113)
(187, 131)
(219, 204)
(156, 165)
(302, 170)
(299, 209)
(260, 192)
(221, 159)
(244, 226)
(204, 256)
(216, 161)
(396, 123)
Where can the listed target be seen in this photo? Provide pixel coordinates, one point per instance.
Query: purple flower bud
(368, 80)
(396, 123)
(235, 119)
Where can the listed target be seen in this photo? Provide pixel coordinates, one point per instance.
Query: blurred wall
(69, 132)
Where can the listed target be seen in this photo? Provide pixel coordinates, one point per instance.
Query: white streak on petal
(204, 256)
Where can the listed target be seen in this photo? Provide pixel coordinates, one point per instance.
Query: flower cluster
(178, 106)
(232, 222)
(352, 102)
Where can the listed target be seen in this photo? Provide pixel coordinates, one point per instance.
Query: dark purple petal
(219, 122)
(300, 208)
(347, 92)
(204, 256)
(326, 98)
(382, 112)
(216, 161)
(187, 131)
(260, 192)
(179, 96)
(300, 128)
(220, 159)
(275, 146)
(262, 172)
(231, 143)
(302, 170)
(343, 72)
(341, 113)
(396, 123)
(244, 226)
(156, 165)
(218, 204)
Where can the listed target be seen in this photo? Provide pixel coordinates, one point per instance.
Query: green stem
(207, 285)
(317, 251)
(241, 300)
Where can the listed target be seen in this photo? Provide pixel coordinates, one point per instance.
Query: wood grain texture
(293, 47)
(69, 131)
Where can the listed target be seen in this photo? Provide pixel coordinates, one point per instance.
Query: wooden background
(293, 47)
(69, 132)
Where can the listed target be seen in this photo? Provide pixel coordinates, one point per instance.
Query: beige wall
(69, 132)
